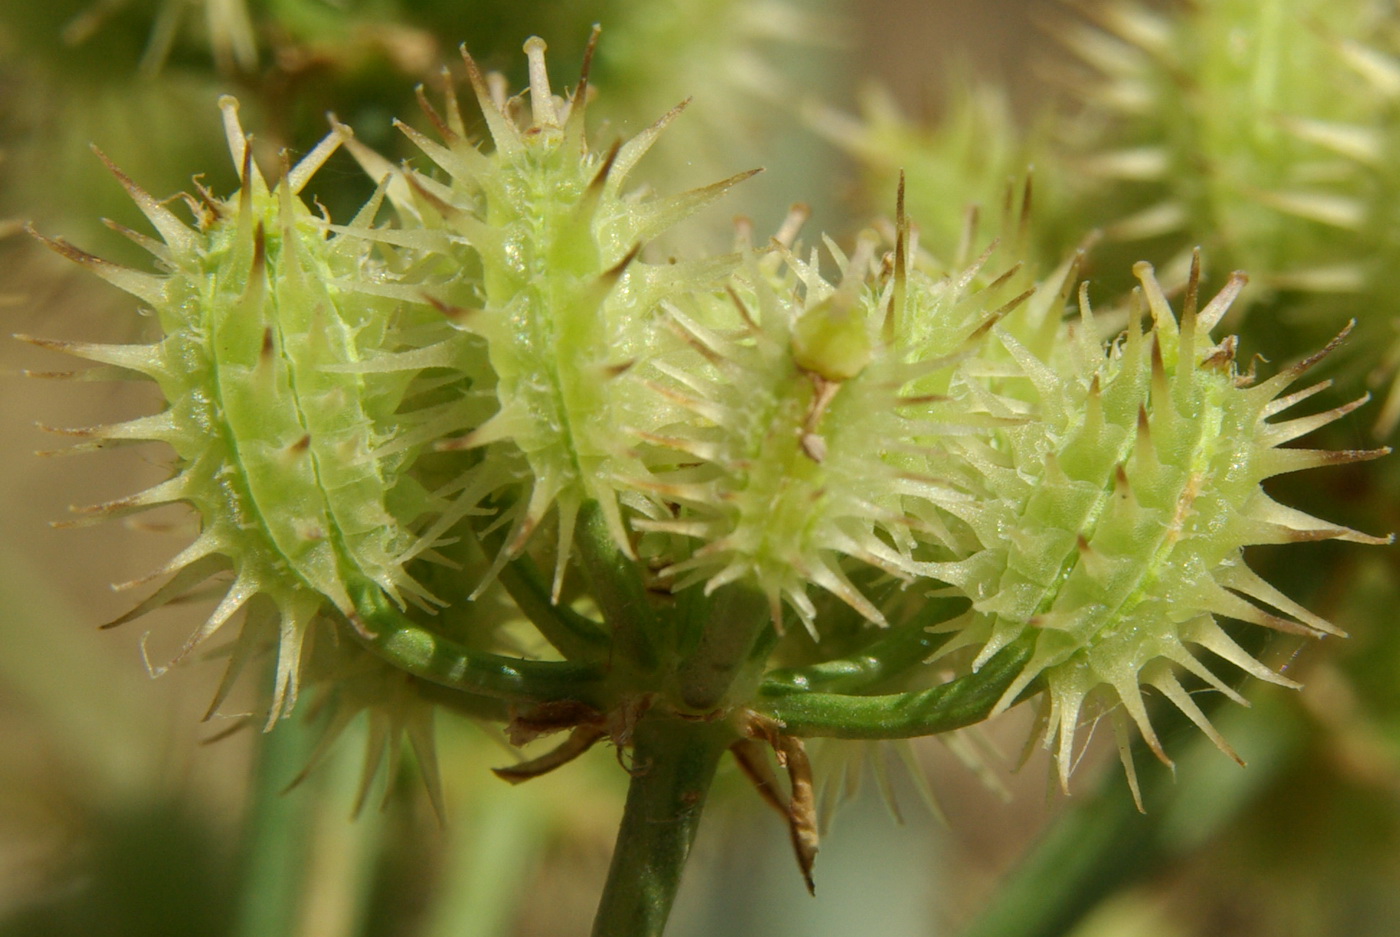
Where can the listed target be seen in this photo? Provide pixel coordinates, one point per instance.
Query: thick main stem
(673, 764)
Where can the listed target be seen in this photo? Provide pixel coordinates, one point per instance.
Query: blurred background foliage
(115, 819)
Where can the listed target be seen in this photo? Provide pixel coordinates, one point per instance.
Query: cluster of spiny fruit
(394, 410)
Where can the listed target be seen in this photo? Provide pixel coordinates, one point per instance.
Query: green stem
(575, 636)
(738, 618)
(384, 629)
(674, 763)
(278, 837)
(953, 705)
(881, 661)
(616, 584)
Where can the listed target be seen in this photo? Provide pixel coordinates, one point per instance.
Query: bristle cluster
(776, 479)
(279, 406)
(1204, 111)
(1263, 132)
(555, 287)
(960, 165)
(349, 683)
(812, 421)
(1112, 526)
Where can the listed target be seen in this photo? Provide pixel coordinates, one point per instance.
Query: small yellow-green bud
(831, 339)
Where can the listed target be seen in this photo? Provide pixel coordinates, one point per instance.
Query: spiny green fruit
(1112, 523)
(279, 407)
(785, 409)
(814, 420)
(533, 249)
(1263, 131)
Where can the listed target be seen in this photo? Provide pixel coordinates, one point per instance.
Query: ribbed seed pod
(1200, 112)
(553, 285)
(1113, 526)
(814, 421)
(278, 406)
(1265, 132)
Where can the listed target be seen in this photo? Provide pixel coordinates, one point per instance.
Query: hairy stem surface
(674, 763)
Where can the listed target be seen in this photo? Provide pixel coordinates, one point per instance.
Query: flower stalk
(672, 765)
